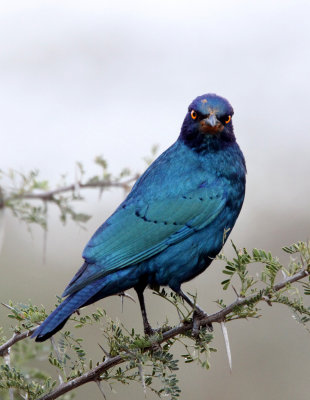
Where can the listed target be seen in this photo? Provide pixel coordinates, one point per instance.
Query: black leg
(198, 312)
(190, 302)
(147, 327)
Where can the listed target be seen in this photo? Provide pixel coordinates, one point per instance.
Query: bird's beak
(211, 120)
(211, 125)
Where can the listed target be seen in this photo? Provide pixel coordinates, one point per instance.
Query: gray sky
(99, 77)
(79, 79)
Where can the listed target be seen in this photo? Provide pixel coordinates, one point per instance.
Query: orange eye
(228, 119)
(193, 114)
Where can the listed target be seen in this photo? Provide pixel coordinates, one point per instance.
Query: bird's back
(184, 199)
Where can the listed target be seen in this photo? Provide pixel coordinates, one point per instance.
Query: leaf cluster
(262, 286)
(27, 195)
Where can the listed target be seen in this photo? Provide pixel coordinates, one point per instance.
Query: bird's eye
(228, 119)
(193, 114)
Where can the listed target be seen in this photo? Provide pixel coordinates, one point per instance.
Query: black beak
(211, 125)
(211, 120)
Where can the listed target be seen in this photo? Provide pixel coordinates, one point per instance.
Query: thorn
(57, 356)
(7, 306)
(226, 339)
(100, 193)
(267, 300)
(284, 274)
(237, 294)
(179, 314)
(76, 183)
(141, 373)
(124, 294)
(105, 352)
(99, 383)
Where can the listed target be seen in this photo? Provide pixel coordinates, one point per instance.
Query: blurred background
(84, 78)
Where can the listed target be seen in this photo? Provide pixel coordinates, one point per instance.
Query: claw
(197, 317)
(156, 348)
(195, 330)
(149, 331)
(124, 294)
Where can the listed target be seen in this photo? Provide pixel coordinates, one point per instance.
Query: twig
(50, 194)
(95, 373)
(89, 376)
(14, 339)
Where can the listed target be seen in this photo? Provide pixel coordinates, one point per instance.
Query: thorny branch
(28, 196)
(94, 374)
(4, 349)
(50, 194)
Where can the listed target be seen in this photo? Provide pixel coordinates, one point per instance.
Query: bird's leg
(191, 303)
(148, 330)
(197, 315)
(147, 327)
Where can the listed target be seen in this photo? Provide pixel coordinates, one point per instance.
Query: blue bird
(172, 224)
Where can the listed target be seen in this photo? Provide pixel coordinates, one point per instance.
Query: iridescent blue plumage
(173, 222)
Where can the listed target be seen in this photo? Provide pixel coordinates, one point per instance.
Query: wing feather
(140, 230)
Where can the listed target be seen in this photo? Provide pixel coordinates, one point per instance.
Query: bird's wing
(139, 230)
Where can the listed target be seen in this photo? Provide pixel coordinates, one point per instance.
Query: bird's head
(208, 122)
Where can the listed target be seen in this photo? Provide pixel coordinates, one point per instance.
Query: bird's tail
(96, 290)
(57, 319)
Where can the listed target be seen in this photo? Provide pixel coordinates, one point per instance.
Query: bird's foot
(149, 331)
(198, 315)
(152, 333)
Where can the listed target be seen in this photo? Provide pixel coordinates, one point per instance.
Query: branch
(50, 195)
(5, 348)
(14, 339)
(94, 374)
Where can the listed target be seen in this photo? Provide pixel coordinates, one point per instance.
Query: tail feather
(56, 320)
(106, 286)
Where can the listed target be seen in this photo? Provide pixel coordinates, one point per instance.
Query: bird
(172, 224)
